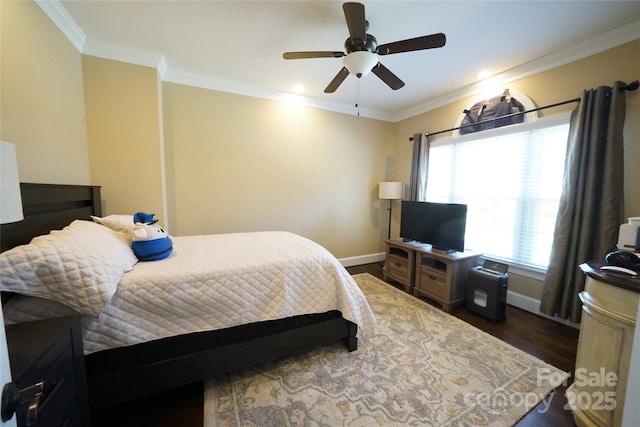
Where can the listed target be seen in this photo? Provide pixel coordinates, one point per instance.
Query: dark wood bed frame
(127, 373)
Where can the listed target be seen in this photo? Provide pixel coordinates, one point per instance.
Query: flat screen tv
(442, 225)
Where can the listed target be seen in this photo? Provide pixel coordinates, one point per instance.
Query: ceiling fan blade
(354, 14)
(318, 54)
(337, 80)
(387, 76)
(418, 43)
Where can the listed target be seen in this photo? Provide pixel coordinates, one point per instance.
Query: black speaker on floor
(487, 290)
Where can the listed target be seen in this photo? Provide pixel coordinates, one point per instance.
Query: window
(511, 180)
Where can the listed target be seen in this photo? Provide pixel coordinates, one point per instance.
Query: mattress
(213, 282)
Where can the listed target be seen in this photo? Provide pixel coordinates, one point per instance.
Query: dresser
(609, 310)
(47, 360)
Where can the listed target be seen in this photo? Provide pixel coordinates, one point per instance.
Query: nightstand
(399, 262)
(50, 351)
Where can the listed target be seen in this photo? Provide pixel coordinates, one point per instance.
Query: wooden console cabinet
(429, 272)
(609, 310)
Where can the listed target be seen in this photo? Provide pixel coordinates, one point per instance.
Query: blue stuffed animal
(150, 241)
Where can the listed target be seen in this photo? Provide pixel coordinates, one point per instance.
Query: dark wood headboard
(49, 207)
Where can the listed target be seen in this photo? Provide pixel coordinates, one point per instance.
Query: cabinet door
(603, 351)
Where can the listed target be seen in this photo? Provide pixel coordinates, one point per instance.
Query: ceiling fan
(363, 50)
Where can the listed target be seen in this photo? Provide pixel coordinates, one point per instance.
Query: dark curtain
(591, 205)
(419, 168)
(415, 166)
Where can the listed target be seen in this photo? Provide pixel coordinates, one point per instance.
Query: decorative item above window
(495, 111)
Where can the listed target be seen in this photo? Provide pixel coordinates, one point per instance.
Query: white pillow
(79, 266)
(121, 223)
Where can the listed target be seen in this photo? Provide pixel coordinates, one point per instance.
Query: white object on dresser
(628, 234)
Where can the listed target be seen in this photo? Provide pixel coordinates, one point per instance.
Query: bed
(187, 342)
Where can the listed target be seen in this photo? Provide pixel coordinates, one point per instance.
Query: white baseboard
(532, 305)
(362, 259)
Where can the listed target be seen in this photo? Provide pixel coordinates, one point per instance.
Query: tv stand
(427, 272)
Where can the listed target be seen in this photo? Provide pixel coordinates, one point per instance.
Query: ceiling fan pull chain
(358, 97)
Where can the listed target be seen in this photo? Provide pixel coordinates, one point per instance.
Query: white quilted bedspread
(223, 280)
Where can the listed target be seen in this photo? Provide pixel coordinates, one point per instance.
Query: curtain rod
(630, 87)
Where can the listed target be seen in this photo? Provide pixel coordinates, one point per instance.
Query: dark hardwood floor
(548, 340)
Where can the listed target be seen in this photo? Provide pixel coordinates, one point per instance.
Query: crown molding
(64, 22)
(588, 47)
(591, 46)
(58, 14)
(208, 82)
(138, 57)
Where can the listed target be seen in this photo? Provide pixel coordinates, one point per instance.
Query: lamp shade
(360, 63)
(10, 197)
(390, 190)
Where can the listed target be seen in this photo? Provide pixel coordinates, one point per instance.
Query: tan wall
(556, 85)
(124, 132)
(234, 163)
(237, 163)
(41, 97)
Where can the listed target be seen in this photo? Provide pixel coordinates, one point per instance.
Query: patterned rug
(423, 367)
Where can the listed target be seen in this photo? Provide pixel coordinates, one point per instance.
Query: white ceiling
(237, 46)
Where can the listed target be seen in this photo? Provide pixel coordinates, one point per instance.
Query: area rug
(423, 367)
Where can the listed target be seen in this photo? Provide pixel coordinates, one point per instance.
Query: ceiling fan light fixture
(362, 50)
(360, 63)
